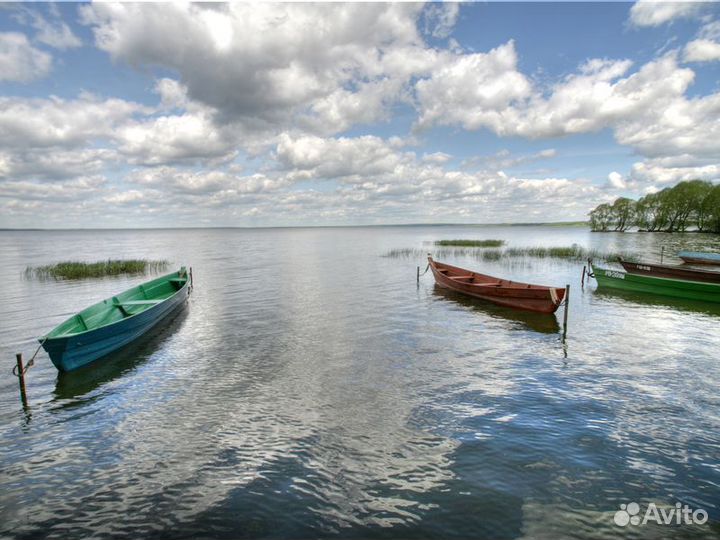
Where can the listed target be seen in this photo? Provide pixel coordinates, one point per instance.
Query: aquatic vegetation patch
(84, 270)
(570, 253)
(403, 253)
(471, 243)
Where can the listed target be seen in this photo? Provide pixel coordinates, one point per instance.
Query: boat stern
(557, 295)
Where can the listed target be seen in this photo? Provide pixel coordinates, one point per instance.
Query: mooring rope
(589, 272)
(31, 362)
(425, 272)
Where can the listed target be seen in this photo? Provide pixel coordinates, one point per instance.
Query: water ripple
(312, 388)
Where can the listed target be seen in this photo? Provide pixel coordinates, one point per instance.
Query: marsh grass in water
(471, 243)
(406, 253)
(571, 253)
(83, 270)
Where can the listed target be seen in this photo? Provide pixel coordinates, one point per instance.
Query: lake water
(312, 389)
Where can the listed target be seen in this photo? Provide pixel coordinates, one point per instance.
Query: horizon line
(506, 224)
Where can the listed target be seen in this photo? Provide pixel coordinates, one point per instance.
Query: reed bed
(571, 253)
(471, 243)
(84, 270)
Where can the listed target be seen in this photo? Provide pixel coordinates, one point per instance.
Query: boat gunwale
(47, 337)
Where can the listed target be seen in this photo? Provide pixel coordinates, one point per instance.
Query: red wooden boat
(498, 291)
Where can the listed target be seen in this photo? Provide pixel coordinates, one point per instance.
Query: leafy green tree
(711, 220)
(683, 202)
(654, 211)
(601, 218)
(642, 213)
(623, 213)
(703, 202)
(687, 204)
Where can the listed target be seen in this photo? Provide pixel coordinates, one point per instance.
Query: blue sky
(141, 115)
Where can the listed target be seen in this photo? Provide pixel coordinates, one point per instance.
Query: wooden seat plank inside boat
(80, 319)
(139, 302)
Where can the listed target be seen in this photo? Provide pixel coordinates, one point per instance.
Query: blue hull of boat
(73, 352)
(699, 257)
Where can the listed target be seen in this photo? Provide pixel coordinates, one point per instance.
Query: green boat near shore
(677, 288)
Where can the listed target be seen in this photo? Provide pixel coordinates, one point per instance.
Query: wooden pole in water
(418, 275)
(565, 315)
(582, 279)
(662, 254)
(21, 378)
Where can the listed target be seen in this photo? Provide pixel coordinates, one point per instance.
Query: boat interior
(462, 276)
(470, 278)
(124, 305)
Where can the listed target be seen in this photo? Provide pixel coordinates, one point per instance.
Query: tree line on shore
(693, 204)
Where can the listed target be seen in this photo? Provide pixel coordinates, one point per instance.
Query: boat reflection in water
(82, 381)
(654, 300)
(538, 322)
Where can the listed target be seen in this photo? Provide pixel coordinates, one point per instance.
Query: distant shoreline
(545, 224)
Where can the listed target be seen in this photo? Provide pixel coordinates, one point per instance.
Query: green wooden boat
(115, 322)
(677, 288)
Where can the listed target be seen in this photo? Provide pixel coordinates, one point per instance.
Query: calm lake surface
(312, 389)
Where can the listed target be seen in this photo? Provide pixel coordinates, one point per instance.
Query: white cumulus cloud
(702, 50)
(54, 33)
(20, 61)
(266, 64)
(173, 138)
(657, 12)
(333, 158)
(616, 180)
(440, 18)
(57, 122)
(654, 172)
(473, 90)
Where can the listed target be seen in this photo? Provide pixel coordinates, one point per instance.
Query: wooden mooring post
(582, 280)
(418, 275)
(565, 314)
(21, 378)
